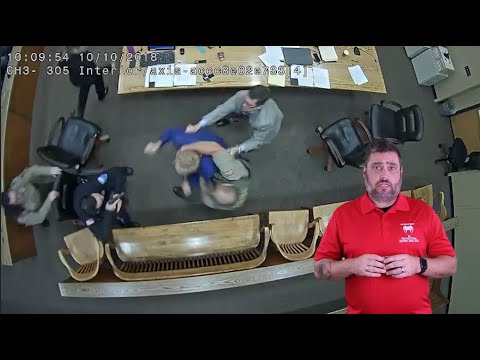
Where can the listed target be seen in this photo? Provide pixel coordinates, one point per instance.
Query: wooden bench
(86, 250)
(289, 231)
(323, 213)
(188, 249)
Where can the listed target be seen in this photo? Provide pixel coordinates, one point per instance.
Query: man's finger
(375, 257)
(377, 264)
(393, 265)
(375, 269)
(396, 272)
(389, 259)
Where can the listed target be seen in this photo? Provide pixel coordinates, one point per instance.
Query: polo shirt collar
(367, 204)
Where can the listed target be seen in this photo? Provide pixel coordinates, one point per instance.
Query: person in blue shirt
(90, 201)
(178, 137)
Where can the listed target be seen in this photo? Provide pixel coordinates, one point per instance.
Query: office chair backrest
(458, 153)
(410, 123)
(76, 135)
(344, 135)
(346, 139)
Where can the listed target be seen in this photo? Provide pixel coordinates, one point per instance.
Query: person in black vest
(84, 73)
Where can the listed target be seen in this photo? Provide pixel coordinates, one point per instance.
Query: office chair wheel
(318, 130)
(104, 138)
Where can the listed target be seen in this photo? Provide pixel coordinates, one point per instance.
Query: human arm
(29, 218)
(117, 179)
(441, 260)
(222, 110)
(33, 172)
(152, 147)
(329, 265)
(256, 140)
(203, 147)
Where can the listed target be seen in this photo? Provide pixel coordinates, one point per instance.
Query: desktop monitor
(154, 48)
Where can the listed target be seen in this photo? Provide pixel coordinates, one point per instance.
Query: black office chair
(343, 142)
(457, 157)
(75, 146)
(399, 126)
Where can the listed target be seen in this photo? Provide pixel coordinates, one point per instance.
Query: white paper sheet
(183, 75)
(304, 75)
(358, 75)
(275, 51)
(328, 53)
(321, 78)
(164, 77)
(276, 80)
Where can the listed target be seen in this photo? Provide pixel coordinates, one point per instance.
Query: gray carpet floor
(284, 177)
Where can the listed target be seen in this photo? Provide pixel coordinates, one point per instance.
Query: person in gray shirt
(264, 115)
(23, 200)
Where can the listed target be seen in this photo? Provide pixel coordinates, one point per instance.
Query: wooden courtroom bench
(188, 249)
(206, 256)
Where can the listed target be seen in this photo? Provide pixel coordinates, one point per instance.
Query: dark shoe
(79, 223)
(101, 97)
(177, 190)
(45, 223)
(223, 122)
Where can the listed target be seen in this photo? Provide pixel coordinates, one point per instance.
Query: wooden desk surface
(132, 80)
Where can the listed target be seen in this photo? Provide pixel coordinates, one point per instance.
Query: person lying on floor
(91, 202)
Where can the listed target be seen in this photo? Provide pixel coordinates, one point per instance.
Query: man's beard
(380, 196)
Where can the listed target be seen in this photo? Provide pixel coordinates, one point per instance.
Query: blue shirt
(179, 137)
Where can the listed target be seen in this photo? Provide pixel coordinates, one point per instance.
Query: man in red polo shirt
(384, 244)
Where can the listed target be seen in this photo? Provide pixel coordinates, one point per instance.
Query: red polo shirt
(410, 226)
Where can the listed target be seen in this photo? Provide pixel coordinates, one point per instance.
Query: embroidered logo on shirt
(408, 229)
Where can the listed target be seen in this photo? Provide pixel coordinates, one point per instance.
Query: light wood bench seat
(188, 249)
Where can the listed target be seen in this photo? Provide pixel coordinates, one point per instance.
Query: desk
(237, 56)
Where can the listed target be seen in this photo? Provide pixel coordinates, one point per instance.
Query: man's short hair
(381, 146)
(187, 162)
(10, 210)
(75, 49)
(5, 199)
(89, 205)
(259, 93)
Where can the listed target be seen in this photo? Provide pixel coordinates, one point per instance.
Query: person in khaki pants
(24, 201)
